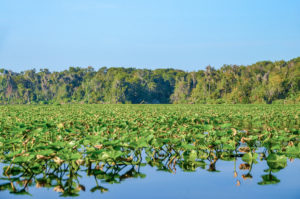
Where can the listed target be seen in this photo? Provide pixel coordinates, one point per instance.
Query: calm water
(179, 184)
(149, 152)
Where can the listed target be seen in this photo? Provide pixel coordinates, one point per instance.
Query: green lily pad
(275, 161)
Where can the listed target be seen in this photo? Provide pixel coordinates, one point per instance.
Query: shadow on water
(103, 168)
(149, 152)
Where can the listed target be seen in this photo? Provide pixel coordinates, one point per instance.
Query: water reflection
(64, 177)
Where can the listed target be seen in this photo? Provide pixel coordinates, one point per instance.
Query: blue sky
(187, 35)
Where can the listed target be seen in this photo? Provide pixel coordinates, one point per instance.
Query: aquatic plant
(49, 146)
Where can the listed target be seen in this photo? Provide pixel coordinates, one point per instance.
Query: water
(149, 152)
(179, 184)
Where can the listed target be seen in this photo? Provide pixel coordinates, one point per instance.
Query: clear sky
(183, 34)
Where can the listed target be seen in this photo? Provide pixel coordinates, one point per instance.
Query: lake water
(183, 151)
(221, 183)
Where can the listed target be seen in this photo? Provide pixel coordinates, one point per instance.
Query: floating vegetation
(51, 146)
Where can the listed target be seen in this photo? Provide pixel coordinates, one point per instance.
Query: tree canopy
(262, 82)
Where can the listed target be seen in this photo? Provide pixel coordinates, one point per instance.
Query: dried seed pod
(41, 157)
(98, 146)
(80, 187)
(244, 166)
(244, 149)
(79, 162)
(244, 140)
(40, 184)
(247, 176)
(58, 188)
(235, 174)
(234, 131)
(57, 160)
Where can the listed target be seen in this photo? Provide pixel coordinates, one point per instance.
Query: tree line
(262, 82)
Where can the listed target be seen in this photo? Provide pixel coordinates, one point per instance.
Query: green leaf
(269, 179)
(250, 157)
(275, 161)
(190, 156)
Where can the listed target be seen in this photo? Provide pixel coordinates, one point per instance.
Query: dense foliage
(49, 146)
(263, 82)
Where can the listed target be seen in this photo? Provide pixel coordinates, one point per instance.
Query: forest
(264, 82)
